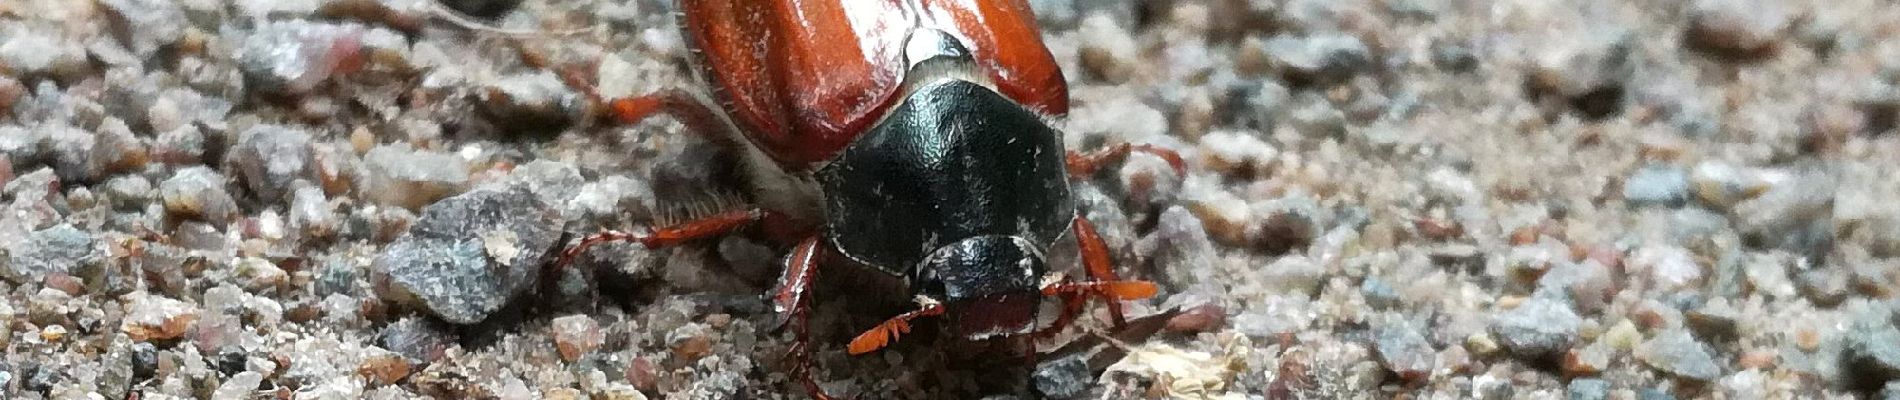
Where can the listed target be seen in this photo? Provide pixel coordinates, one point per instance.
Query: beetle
(912, 138)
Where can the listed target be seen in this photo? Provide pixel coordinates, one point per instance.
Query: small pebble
(1657, 186)
(1738, 29)
(238, 387)
(1871, 355)
(267, 158)
(1538, 329)
(1321, 60)
(1404, 351)
(384, 369)
(483, 9)
(1588, 389)
(575, 336)
(294, 57)
(417, 339)
(1587, 361)
(153, 317)
(1677, 353)
(1062, 378)
(1715, 320)
(413, 178)
(198, 192)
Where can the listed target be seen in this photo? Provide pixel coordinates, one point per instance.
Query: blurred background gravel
(339, 199)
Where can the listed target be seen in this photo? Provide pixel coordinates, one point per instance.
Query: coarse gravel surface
(1540, 199)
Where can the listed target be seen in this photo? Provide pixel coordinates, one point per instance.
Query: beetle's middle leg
(1085, 164)
(1103, 282)
(699, 113)
(706, 227)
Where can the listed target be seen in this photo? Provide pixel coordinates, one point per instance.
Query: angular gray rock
(62, 249)
(1539, 329)
(1404, 351)
(1588, 389)
(268, 158)
(1677, 353)
(1657, 186)
(1871, 355)
(198, 192)
(469, 255)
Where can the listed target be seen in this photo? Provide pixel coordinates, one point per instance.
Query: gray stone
(1454, 57)
(1870, 356)
(115, 374)
(1588, 284)
(555, 183)
(1379, 294)
(1891, 391)
(1795, 214)
(312, 214)
(1588, 389)
(62, 249)
(240, 386)
(1063, 378)
(468, 256)
(1182, 250)
(535, 103)
(1677, 353)
(198, 192)
(1321, 59)
(416, 339)
(1826, 287)
(1404, 351)
(613, 196)
(36, 52)
(1654, 394)
(413, 178)
(267, 158)
(149, 24)
(1539, 329)
(1715, 320)
(70, 150)
(1584, 72)
(1657, 185)
(293, 57)
(144, 361)
(128, 193)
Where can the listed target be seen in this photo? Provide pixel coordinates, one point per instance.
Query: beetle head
(989, 284)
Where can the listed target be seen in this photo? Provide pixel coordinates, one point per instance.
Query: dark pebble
(1063, 378)
(484, 9)
(144, 361)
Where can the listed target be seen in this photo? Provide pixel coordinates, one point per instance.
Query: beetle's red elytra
(908, 137)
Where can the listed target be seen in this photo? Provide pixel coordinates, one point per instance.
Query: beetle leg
(801, 267)
(1085, 164)
(709, 226)
(697, 113)
(1096, 261)
(885, 333)
(1102, 282)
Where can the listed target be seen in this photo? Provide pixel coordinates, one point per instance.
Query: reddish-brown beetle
(909, 137)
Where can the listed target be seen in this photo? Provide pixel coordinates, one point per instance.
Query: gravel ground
(339, 199)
